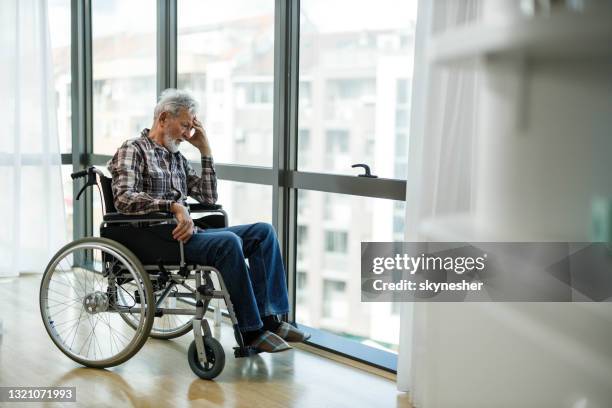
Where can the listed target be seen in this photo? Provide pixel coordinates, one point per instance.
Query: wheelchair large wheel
(214, 354)
(168, 326)
(78, 302)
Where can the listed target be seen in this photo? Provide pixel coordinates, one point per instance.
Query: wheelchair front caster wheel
(214, 354)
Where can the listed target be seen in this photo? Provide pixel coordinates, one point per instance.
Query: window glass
(304, 145)
(330, 229)
(245, 203)
(335, 305)
(302, 287)
(226, 58)
(59, 30)
(67, 184)
(336, 241)
(355, 76)
(124, 70)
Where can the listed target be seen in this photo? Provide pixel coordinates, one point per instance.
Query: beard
(171, 144)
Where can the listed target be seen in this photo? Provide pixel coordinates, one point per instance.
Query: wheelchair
(101, 298)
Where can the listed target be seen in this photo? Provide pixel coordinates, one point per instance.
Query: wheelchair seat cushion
(210, 221)
(151, 244)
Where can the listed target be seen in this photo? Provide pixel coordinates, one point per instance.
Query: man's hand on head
(184, 228)
(199, 138)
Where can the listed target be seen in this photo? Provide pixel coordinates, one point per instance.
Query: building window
(304, 139)
(302, 240)
(334, 299)
(305, 94)
(336, 242)
(258, 92)
(304, 147)
(336, 141)
(403, 91)
(218, 85)
(351, 89)
(301, 286)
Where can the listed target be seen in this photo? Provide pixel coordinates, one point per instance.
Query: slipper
(270, 343)
(291, 333)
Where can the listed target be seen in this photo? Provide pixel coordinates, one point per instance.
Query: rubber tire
(214, 352)
(147, 287)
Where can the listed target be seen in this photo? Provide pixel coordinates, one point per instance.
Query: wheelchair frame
(165, 280)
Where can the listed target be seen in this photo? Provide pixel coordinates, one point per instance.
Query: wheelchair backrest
(96, 177)
(106, 184)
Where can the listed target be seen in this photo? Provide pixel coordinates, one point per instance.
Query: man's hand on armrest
(185, 228)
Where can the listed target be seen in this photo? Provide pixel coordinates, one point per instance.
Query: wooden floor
(159, 374)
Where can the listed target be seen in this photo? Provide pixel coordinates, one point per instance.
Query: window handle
(367, 170)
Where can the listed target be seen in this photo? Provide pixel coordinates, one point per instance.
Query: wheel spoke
(81, 315)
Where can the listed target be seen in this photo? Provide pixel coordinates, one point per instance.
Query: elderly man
(150, 174)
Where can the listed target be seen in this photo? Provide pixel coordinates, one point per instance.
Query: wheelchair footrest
(245, 352)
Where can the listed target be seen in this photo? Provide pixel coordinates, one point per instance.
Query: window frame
(283, 176)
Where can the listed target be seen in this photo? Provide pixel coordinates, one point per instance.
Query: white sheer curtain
(440, 161)
(32, 207)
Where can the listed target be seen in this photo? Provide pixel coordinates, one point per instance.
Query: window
(358, 68)
(255, 93)
(301, 286)
(124, 70)
(337, 156)
(334, 300)
(305, 92)
(336, 209)
(304, 145)
(226, 58)
(350, 90)
(68, 199)
(336, 241)
(403, 95)
(218, 86)
(245, 203)
(59, 28)
(304, 139)
(302, 236)
(329, 242)
(337, 141)
(354, 79)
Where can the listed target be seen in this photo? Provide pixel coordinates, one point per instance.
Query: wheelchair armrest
(156, 216)
(199, 207)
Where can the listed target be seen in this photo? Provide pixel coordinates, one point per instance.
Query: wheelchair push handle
(78, 174)
(91, 178)
(91, 171)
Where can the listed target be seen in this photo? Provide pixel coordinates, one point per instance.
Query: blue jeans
(257, 290)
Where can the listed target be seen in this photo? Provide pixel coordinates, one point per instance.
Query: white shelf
(563, 35)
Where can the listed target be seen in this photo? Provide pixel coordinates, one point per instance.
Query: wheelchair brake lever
(164, 276)
(183, 271)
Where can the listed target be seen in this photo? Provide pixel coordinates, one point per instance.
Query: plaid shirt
(148, 178)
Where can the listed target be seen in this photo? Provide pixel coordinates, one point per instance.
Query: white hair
(173, 100)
